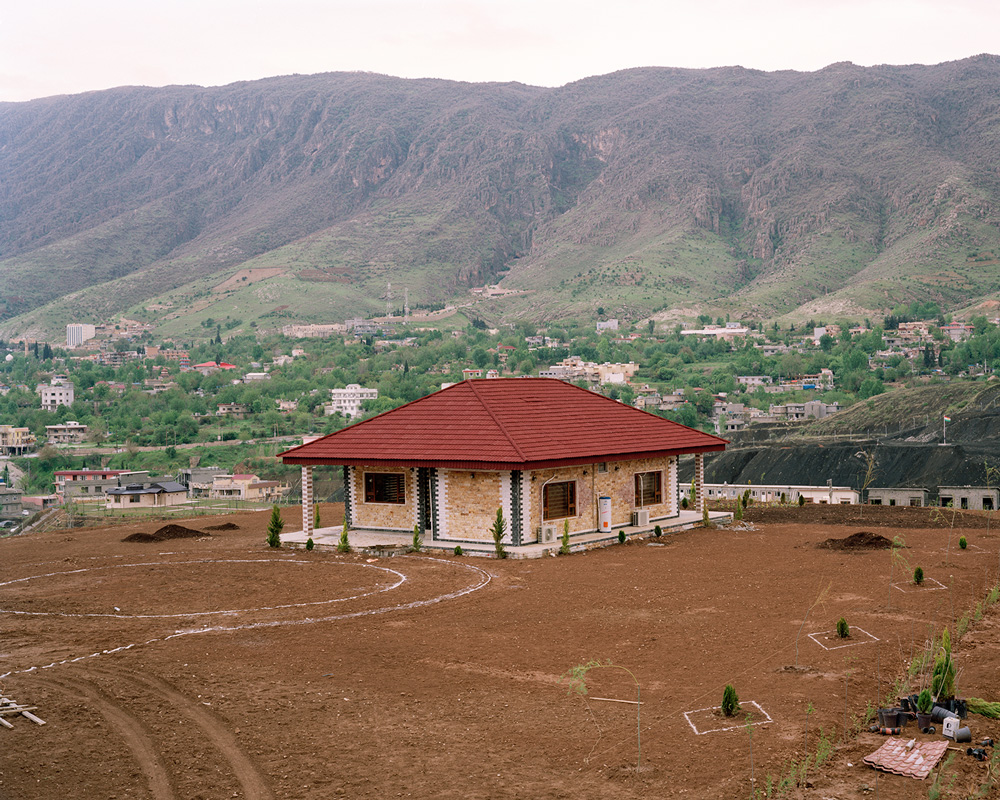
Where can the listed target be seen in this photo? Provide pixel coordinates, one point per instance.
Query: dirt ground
(214, 667)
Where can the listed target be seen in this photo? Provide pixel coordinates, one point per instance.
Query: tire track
(250, 777)
(134, 733)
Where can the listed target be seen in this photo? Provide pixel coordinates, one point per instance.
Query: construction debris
(9, 708)
(907, 758)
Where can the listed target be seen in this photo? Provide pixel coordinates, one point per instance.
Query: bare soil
(215, 667)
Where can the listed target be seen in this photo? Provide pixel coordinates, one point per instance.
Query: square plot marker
(703, 720)
(923, 588)
(822, 638)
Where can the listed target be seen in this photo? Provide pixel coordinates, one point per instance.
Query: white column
(307, 501)
(699, 482)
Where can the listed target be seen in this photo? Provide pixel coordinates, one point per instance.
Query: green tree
(274, 526)
(498, 530)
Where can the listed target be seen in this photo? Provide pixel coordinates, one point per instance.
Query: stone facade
(383, 516)
(471, 502)
(464, 503)
(617, 481)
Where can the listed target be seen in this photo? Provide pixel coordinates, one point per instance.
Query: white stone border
(871, 638)
(399, 580)
(482, 580)
(922, 588)
(731, 728)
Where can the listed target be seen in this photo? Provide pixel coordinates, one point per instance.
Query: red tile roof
(902, 758)
(507, 423)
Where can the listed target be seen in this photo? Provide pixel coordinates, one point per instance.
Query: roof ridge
(503, 430)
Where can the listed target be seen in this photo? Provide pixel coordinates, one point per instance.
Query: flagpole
(944, 429)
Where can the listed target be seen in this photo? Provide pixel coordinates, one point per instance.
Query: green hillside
(662, 192)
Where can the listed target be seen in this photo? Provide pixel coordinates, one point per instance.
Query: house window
(385, 487)
(133, 498)
(987, 504)
(559, 500)
(648, 488)
(914, 501)
(965, 502)
(602, 467)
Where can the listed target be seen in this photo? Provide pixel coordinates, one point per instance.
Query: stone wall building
(547, 453)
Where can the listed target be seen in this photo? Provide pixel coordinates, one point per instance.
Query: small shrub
(802, 500)
(564, 547)
(704, 518)
(784, 499)
(843, 630)
(316, 517)
(343, 546)
(621, 537)
(943, 676)
(498, 529)
(274, 526)
(310, 544)
(963, 543)
(730, 701)
(684, 503)
(738, 515)
(918, 575)
(657, 531)
(417, 539)
(458, 549)
(925, 702)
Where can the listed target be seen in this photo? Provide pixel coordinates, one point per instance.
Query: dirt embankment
(897, 464)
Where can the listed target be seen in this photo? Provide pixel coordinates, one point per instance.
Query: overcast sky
(66, 46)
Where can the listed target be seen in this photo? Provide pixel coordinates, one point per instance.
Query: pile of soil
(225, 526)
(165, 533)
(862, 540)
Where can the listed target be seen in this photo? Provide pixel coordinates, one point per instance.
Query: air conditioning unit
(640, 517)
(548, 534)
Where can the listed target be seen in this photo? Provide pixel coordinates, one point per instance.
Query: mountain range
(651, 193)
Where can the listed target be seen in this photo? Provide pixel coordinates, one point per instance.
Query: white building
(77, 334)
(349, 399)
(60, 393)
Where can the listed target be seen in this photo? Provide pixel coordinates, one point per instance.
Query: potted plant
(924, 705)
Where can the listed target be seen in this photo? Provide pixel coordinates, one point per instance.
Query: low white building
(349, 399)
(70, 432)
(773, 493)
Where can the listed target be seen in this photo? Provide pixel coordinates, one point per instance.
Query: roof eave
(472, 464)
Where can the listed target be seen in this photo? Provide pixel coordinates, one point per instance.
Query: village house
(246, 487)
(71, 484)
(349, 399)
(235, 410)
(70, 432)
(60, 392)
(15, 441)
(545, 452)
(134, 496)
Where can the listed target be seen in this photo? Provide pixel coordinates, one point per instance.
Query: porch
(390, 543)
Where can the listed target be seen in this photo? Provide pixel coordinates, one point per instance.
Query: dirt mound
(225, 526)
(862, 540)
(165, 533)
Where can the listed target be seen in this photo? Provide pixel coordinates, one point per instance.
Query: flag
(947, 419)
